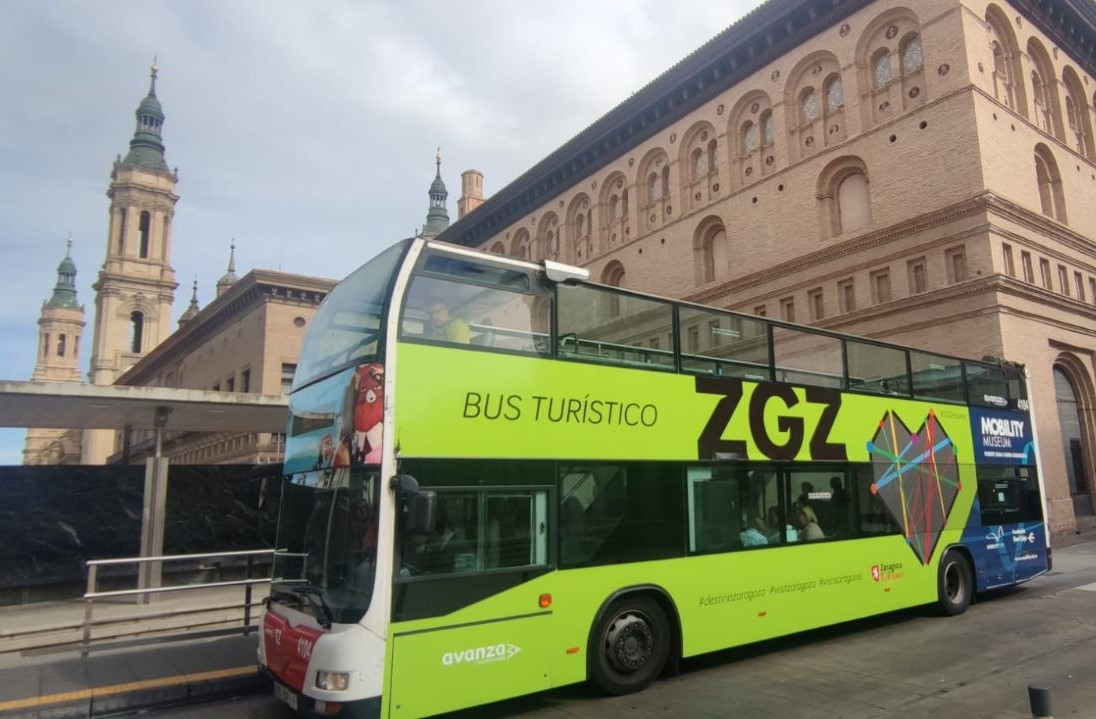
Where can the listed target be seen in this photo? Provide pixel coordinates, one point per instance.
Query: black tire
(956, 584)
(629, 645)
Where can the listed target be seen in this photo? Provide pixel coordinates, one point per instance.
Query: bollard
(1039, 697)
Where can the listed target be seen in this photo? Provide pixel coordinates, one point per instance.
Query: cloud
(306, 131)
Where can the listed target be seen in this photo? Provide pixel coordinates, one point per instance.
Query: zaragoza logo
(916, 478)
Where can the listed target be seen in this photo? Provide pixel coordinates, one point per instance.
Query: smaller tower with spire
(228, 278)
(60, 329)
(192, 310)
(437, 217)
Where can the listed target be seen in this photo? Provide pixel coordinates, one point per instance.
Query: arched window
(698, 164)
(911, 55)
(1079, 124)
(853, 203)
(143, 230)
(835, 94)
(45, 345)
(768, 133)
(613, 275)
(577, 225)
(748, 140)
(815, 90)
(808, 106)
(498, 248)
(1038, 93)
(845, 193)
(547, 241)
(137, 327)
(1008, 86)
(519, 248)
(711, 251)
(697, 160)
(1043, 90)
(652, 188)
(61, 345)
(881, 69)
(665, 193)
(121, 231)
(1051, 195)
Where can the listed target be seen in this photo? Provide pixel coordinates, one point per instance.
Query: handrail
(93, 579)
(169, 557)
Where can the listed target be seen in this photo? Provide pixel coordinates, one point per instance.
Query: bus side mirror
(421, 506)
(421, 509)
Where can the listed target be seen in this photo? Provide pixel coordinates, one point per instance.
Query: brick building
(922, 173)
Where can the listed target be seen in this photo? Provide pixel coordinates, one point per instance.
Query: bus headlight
(332, 681)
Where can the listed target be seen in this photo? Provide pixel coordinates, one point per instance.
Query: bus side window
(476, 530)
(874, 518)
(1008, 495)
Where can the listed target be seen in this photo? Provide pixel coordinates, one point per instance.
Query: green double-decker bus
(501, 478)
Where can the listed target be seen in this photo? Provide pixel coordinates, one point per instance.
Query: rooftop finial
(437, 159)
(191, 310)
(153, 70)
(68, 246)
(232, 256)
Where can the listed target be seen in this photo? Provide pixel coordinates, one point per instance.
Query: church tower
(136, 285)
(437, 217)
(60, 328)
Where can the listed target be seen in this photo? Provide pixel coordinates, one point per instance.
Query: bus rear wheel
(956, 584)
(629, 645)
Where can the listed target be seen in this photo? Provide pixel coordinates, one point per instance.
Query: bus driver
(444, 326)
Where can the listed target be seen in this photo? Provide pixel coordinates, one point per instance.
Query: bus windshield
(327, 531)
(347, 328)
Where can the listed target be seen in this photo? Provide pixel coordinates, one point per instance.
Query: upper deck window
(602, 325)
(349, 325)
(986, 385)
(459, 300)
(714, 342)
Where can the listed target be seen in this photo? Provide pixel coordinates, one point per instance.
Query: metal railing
(93, 580)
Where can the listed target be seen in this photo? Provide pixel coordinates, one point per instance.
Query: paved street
(907, 666)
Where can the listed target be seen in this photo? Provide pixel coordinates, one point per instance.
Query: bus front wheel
(629, 645)
(956, 584)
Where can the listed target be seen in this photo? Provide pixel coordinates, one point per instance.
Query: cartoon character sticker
(368, 384)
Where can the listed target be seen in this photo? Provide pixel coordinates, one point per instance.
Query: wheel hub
(953, 583)
(629, 643)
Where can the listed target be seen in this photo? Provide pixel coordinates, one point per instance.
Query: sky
(304, 131)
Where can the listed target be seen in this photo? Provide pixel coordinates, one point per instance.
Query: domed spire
(192, 310)
(64, 292)
(228, 278)
(437, 217)
(146, 149)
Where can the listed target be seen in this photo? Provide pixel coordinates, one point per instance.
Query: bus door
(468, 630)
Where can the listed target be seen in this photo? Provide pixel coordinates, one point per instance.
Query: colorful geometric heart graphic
(916, 478)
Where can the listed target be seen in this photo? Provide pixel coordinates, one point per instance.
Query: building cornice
(1071, 24)
(756, 40)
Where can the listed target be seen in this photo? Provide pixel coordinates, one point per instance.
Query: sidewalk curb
(136, 696)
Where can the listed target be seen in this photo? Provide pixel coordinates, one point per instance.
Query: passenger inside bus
(774, 523)
(755, 535)
(808, 524)
(444, 326)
